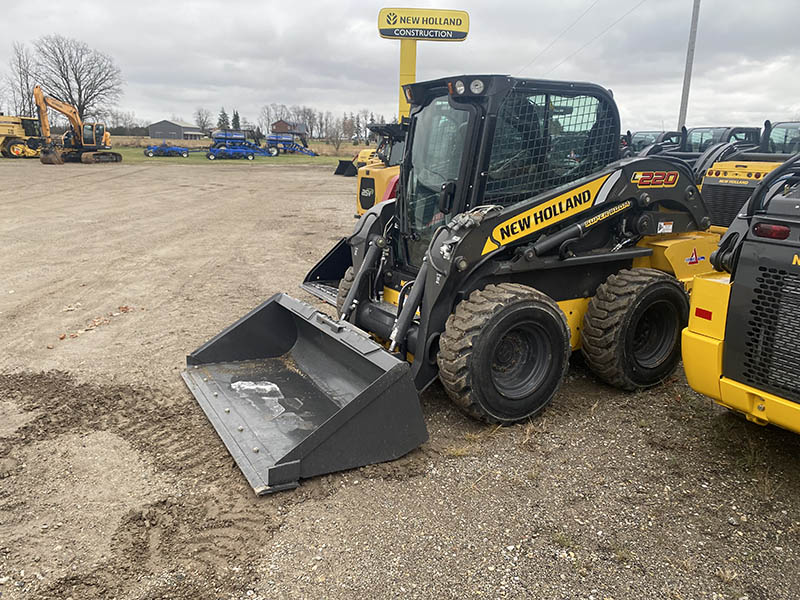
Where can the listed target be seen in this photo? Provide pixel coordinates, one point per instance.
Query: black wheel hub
(520, 361)
(654, 334)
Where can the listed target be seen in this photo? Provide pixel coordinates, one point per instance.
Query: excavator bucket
(50, 156)
(323, 279)
(294, 394)
(346, 168)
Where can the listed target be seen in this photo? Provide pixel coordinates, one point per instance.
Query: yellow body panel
(745, 172)
(759, 406)
(710, 293)
(683, 255)
(574, 311)
(382, 176)
(702, 362)
(365, 156)
(390, 295)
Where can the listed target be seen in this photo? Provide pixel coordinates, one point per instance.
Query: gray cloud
(177, 55)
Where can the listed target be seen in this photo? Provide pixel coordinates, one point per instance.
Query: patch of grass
(726, 575)
(621, 553)
(563, 539)
(458, 451)
(136, 156)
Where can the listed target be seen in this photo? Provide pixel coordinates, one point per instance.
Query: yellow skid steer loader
(517, 237)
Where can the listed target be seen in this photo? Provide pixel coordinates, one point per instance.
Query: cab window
(31, 127)
(785, 139)
(88, 134)
(542, 141)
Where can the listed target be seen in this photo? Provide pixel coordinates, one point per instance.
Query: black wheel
(249, 156)
(344, 286)
(631, 336)
(210, 156)
(185, 154)
(504, 353)
(273, 151)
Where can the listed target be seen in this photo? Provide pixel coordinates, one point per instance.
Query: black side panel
(762, 340)
(366, 193)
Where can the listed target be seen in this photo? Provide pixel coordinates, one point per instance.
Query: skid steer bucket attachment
(323, 279)
(294, 394)
(346, 168)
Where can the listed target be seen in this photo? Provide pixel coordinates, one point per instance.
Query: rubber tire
(149, 154)
(344, 287)
(184, 155)
(472, 335)
(210, 156)
(609, 327)
(273, 151)
(249, 156)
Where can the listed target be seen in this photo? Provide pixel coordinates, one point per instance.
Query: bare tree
(20, 81)
(265, 119)
(77, 74)
(202, 118)
(336, 133)
(348, 126)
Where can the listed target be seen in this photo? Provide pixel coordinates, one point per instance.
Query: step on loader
(517, 237)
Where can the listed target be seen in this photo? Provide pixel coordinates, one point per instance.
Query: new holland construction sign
(423, 24)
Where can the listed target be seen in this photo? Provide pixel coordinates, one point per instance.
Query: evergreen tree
(235, 122)
(222, 120)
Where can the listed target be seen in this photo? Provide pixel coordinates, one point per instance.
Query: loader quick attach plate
(294, 394)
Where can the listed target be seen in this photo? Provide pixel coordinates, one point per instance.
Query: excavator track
(100, 157)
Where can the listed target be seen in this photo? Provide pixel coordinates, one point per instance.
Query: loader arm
(44, 102)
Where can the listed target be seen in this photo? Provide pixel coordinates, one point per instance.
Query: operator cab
(495, 140)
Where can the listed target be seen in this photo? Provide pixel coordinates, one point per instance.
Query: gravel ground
(114, 485)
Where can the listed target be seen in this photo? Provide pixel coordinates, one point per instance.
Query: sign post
(411, 24)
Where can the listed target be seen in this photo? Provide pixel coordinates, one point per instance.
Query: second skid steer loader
(740, 347)
(517, 237)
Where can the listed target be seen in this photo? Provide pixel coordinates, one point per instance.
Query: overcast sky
(177, 55)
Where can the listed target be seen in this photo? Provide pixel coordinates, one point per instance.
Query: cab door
(88, 134)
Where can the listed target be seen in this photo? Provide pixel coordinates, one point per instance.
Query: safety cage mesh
(771, 351)
(542, 141)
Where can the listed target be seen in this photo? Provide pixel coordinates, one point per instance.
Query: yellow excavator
(84, 142)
